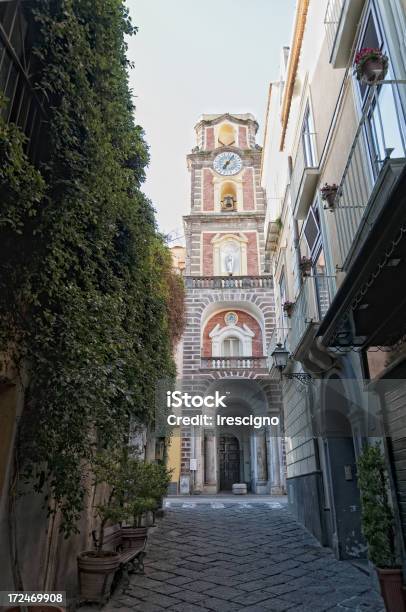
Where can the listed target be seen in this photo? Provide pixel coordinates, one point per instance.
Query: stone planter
(132, 537)
(391, 584)
(96, 573)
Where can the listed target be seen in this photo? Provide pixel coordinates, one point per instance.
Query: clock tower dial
(227, 163)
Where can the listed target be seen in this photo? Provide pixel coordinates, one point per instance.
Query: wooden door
(229, 462)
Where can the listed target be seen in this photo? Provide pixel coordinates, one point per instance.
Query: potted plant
(96, 568)
(288, 308)
(329, 194)
(371, 65)
(378, 526)
(305, 265)
(135, 533)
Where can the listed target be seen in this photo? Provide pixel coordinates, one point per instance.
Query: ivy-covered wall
(89, 306)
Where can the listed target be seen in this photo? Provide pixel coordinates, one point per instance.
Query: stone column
(199, 473)
(274, 461)
(261, 463)
(210, 461)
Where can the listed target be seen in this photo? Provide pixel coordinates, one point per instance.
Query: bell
(228, 202)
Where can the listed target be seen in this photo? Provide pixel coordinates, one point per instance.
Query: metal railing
(311, 306)
(233, 363)
(332, 21)
(304, 161)
(380, 135)
(228, 282)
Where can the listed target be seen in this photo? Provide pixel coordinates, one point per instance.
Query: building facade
(338, 260)
(229, 311)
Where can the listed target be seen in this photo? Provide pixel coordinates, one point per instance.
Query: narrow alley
(222, 554)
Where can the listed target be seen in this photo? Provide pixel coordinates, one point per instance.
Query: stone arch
(226, 135)
(212, 308)
(246, 329)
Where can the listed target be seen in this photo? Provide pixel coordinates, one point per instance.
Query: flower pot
(133, 537)
(288, 308)
(96, 573)
(305, 266)
(391, 584)
(373, 70)
(329, 197)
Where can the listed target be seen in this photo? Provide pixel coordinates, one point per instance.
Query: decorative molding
(294, 56)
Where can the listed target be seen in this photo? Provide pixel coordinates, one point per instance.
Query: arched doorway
(229, 456)
(346, 535)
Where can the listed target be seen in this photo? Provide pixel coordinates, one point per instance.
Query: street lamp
(280, 358)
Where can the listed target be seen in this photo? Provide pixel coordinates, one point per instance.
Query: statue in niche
(230, 258)
(230, 263)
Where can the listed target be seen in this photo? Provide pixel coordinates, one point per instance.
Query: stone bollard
(239, 489)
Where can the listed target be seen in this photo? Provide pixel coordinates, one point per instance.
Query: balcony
(233, 363)
(304, 177)
(228, 282)
(311, 305)
(375, 162)
(340, 21)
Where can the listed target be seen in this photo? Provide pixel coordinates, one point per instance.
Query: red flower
(367, 51)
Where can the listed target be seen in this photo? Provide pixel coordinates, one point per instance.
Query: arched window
(231, 347)
(226, 135)
(228, 196)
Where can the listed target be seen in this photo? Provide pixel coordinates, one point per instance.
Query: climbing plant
(86, 286)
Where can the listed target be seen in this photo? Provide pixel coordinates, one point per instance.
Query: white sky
(193, 57)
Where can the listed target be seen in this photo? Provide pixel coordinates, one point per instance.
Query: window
(226, 135)
(308, 140)
(231, 347)
(312, 229)
(384, 130)
(283, 298)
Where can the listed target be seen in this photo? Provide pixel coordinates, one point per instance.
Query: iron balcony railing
(228, 282)
(380, 136)
(332, 21)
(233, 363)
(311, 306)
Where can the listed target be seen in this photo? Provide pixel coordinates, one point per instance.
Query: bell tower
(229, 310)
(224, 231)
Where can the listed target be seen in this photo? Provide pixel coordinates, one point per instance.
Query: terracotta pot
(96, 574)
(373, 70)
(391, 583)
(49, 608)
(133, 537)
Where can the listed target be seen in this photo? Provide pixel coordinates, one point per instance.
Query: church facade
(229, 313)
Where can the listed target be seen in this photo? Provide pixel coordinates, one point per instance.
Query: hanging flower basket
(305, 265)
(371, 65)
(329, 194)
(288, 308)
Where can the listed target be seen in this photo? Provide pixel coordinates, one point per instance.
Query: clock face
(227, 163)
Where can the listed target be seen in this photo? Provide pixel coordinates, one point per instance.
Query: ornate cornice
(298, 33)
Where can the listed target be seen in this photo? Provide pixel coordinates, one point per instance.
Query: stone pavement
(221, 556)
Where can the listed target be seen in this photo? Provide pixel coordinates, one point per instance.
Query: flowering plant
(288, 307)
(326, 189)
(369, 54)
